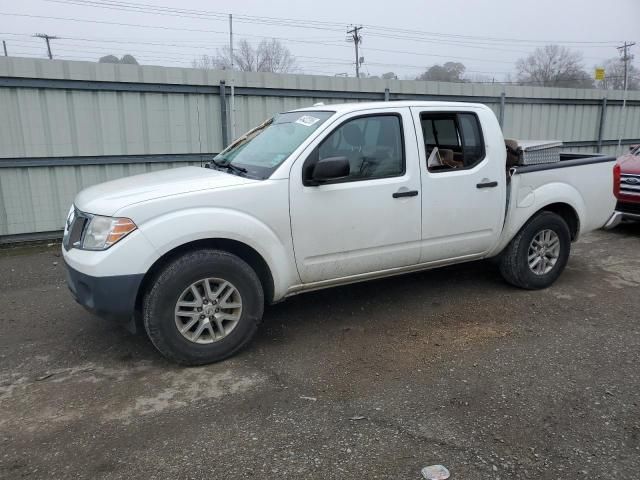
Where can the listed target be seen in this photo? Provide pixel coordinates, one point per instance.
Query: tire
(514, 261)
(163, 317)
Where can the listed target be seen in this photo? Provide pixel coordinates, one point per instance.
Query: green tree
(449, 72)
(126, 59)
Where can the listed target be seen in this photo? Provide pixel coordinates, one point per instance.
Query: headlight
(102, 232)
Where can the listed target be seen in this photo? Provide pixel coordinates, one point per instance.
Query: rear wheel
(538, 254)
(203, 307)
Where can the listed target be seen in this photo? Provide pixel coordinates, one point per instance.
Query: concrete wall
(66, 125)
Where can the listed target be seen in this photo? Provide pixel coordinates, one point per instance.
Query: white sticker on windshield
(307, 120)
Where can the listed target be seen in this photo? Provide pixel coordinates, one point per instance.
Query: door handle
(487, 184)
(405, 193)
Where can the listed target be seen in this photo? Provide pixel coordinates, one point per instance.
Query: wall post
(223, 114)
(502, 102)
(601, 122)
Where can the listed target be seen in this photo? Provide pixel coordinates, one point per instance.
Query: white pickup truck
(320, 197)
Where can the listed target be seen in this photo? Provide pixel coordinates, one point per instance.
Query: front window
(373, 145)
(260, 151)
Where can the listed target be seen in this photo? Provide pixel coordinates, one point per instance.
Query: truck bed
(581, 179)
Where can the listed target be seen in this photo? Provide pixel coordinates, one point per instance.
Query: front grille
(74, 229)
(628, 207)
(630, 184)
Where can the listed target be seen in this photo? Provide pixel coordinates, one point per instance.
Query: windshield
(261, 150)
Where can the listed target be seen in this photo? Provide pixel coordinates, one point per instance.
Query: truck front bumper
(111, 297)
(624, 211)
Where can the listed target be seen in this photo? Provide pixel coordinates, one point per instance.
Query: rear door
(463, 182)
(369, 221)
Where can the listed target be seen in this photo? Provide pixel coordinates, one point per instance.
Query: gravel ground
(375, 380)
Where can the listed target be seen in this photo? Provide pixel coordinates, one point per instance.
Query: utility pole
(625, 58)
(231, 39)
(356, 39)
(4, 45)
(46, 39)
(232, 113)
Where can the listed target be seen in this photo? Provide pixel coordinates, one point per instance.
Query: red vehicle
(626, 187)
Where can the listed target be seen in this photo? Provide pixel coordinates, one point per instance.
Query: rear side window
(452, 140)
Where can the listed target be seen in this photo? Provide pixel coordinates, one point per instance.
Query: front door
(463, 182)
(370, 220)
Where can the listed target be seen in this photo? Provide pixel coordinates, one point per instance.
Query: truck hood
(107, 198)
(629, 164)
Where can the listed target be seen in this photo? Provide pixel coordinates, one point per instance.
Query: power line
(175, 55)
(128, 42)
(502, 40)
(382, 32)
(273, 21)
(152, 8)
(306, 23)
(137, 25)
(186, 13)
(283, 39)
(79, 48)
(178, 57)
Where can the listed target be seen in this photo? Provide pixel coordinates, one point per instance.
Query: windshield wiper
(229, 166)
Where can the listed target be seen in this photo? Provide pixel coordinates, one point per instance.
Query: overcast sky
(403, 36)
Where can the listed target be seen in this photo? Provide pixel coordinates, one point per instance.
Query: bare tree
(449, 72)
(553, 66)
(614, 75)
(268, 56)
(273, 56)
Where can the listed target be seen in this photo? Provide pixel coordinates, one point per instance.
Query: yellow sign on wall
(599, 73)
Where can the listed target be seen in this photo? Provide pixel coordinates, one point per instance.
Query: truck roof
(356, 106)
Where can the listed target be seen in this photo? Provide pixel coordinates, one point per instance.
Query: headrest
(352, 134)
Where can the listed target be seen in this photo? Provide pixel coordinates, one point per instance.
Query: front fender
(169, 231)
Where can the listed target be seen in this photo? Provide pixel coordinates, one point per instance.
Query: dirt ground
(375, 380)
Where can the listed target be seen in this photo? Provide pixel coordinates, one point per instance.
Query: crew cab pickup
(627, 187)
(320, 197)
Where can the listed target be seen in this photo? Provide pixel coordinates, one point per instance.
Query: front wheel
(538, 254)
(203, 307)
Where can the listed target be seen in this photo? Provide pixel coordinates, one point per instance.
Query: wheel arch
(567, 212)
(240, 249)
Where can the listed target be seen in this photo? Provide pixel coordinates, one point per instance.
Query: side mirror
(331, 168)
